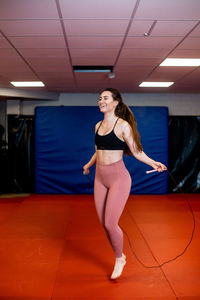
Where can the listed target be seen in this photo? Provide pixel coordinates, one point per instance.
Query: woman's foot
(118, 268)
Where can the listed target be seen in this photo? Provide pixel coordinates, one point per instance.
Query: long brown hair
(124, 112)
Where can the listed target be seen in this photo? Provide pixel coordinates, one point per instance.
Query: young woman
(115, 135)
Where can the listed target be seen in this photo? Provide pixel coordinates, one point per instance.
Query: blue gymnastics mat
(64, 142)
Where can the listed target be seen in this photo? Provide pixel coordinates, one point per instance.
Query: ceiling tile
(19, 76)
(154, 89)
(191, 80)
(31, 27)
(49, 64)
(195, 32)
(190, 43)
(95, 42)
(93, 61)
(90, 76)
(15, 60)
(27, 53)
(169, 73)
(195, 74)
(56, 75)
(93, 56)
(28, 9)
(4, 43)
(61, 82)
(38, 42)
(5, 83)
(10, 60)
(138, 28)
(95, 27)
(98, 82)
(172, 28)
(132, 80)
(138, 61)
(144, 53)
(168, 10)
(7, 53)
(12, 64)
(100, 9)
(95, 31)
(152, 42)
(185, 53)
(133, 69)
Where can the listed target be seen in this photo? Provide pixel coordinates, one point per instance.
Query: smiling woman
(123, 111)
(115, 135)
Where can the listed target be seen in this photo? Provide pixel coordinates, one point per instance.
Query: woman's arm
(93, 159)
(91, 162)
(139, 155)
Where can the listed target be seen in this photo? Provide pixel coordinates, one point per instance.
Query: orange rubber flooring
(52, 247)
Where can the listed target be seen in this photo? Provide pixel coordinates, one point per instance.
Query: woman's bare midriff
(106, 157)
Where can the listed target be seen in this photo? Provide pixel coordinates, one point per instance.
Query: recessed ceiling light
(27, 83)
(155, 84)
(180, 62)
(93, 69)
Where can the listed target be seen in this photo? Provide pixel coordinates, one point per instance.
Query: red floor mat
(53, 247)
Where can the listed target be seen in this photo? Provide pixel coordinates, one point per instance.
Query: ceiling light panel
(27, 83)
(155, 84)
(181, 62)
(93, 69)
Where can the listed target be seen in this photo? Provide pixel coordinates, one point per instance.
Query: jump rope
(132, 219)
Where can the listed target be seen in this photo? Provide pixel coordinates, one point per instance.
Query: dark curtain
(4, 160)
(184, 153)
(20, 154)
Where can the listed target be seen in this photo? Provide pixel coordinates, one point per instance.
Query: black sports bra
(109, 141)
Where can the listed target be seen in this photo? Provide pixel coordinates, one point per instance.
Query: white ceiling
(43, 39)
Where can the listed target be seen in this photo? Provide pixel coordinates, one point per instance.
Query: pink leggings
(111, 190)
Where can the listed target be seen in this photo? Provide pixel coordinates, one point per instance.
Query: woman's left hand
(158, 166)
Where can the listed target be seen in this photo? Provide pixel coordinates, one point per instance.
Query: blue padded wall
(64, 142)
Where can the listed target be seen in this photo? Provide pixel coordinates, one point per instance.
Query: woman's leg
(100, 193)
(116, 200)
(111, 191)
(100, 199)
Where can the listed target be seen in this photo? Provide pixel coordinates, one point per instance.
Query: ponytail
(123, 111)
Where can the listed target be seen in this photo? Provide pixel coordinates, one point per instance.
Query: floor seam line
(167, 280)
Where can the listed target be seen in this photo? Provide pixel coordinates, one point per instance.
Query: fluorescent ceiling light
(155, 84)
(27, 83)
(180, 62)
(93, 69)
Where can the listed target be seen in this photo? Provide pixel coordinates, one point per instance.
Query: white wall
(178, 104)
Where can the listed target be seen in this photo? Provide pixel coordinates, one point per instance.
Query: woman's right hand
(86, 170)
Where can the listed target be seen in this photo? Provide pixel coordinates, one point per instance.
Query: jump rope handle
(150, 171)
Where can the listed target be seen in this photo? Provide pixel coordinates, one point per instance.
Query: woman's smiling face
(106, 102)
